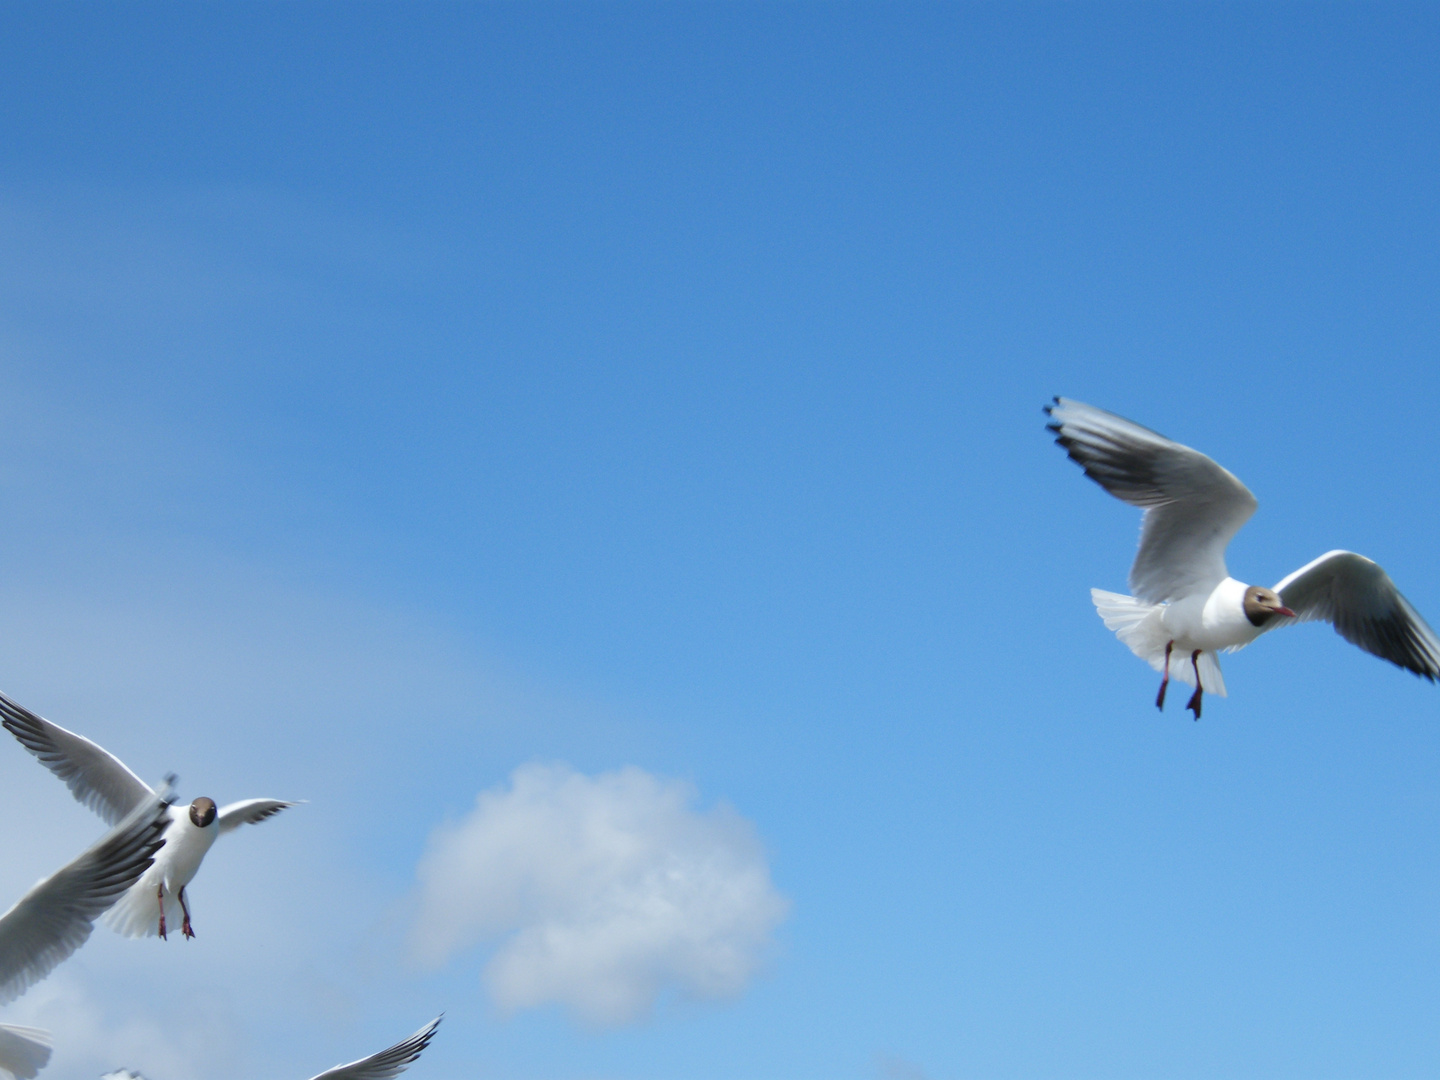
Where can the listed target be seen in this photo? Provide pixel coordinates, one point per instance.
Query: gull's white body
(1207, 623)
(1186, 607)
(137, 913)
(1212, 621)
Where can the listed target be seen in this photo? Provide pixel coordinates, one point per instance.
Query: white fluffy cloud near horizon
(601, 894)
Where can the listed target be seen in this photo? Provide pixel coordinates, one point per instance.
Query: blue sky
(396, 397)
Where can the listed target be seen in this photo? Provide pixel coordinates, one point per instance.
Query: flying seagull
(103, 783)
(54, 918)
(382, 1066)
(1186, 607)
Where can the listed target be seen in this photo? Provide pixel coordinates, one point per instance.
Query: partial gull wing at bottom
(387, 1063)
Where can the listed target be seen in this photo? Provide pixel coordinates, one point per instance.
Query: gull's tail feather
(137, 913)
(24, 1051)
(1138, 625)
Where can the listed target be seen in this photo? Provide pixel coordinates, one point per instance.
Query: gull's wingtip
(1054, 425)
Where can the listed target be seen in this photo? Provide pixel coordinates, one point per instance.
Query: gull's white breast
(1211, 621)
(185, 847)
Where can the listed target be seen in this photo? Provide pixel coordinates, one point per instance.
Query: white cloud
(604, 892)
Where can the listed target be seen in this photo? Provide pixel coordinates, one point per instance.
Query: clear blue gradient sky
(393, 396)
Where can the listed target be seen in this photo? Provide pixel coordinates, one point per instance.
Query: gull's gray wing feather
(94, 776)
(24, 1051)
(249, 812)
(386, 1063)
(54, 918)
(1356, 596)
(1193, 507)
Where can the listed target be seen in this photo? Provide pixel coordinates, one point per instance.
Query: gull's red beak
(1286, 611)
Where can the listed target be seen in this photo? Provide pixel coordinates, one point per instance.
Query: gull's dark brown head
(1261, 603)
(202, 811)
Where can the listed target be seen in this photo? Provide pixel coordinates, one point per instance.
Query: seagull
(55, 917)
(1186, 607)
(382, 1066)
(102, 782)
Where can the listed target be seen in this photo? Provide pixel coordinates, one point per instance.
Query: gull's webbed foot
(185, 907)
(1165, 679)
(1194, 703)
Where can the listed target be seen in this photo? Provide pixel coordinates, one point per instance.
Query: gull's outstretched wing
(54, 918)
(386, 1063)
(1366, 609)
(249, 812)
(24, 1051)
(1193, 507)
(94, 776)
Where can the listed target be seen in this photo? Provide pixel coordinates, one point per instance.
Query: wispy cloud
(604, 892)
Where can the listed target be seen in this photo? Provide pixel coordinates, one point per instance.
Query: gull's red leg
(1165, 680)
(185, 908)
(160, 896)
(1194, 703)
